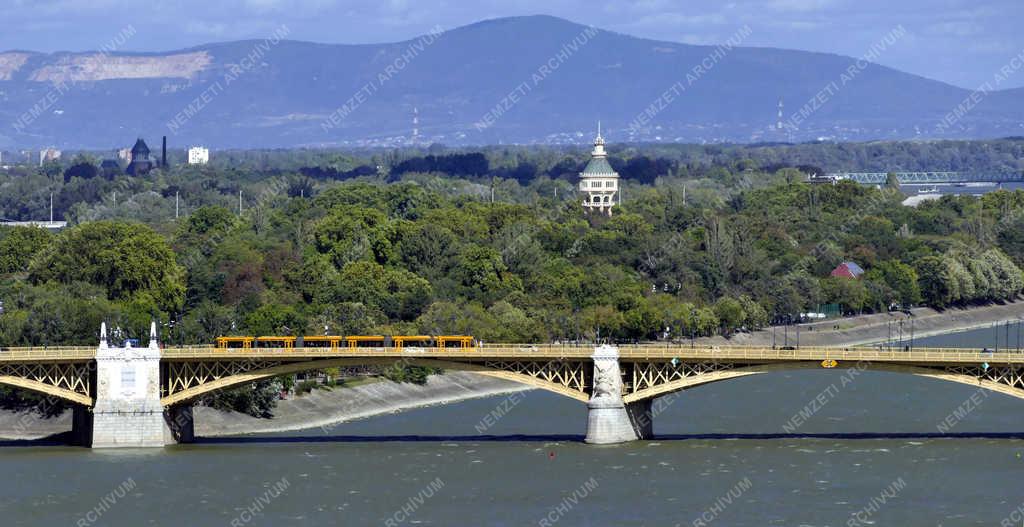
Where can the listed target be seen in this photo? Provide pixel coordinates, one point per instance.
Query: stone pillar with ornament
(610, 420)
(127, 412)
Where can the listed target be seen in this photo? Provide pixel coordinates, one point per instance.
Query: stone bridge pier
(179, 425)
(610, 420)
(127, 412)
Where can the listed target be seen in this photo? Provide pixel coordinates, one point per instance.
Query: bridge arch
(46, 389)
(189, 395)
(736, 373)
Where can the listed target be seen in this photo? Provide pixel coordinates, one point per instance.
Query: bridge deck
(626, 352)
(641, 352)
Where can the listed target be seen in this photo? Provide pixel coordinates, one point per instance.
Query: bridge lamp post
(168, 328)
(576, 323)
(180, 329)
(693, 325)
(1018, 335)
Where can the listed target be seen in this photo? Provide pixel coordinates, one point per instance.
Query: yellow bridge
(627, 376)
(647, 370)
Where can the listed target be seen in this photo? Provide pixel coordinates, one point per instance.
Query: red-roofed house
(847, 270)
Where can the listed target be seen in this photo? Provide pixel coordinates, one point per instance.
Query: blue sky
(957, 41)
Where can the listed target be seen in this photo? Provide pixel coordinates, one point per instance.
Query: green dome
(598, 166)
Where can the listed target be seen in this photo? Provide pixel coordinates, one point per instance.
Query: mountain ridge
(456, 79)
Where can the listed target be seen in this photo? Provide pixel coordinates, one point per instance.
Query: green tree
(557, 283)
(934, 281)
(427, 249)
(351, 233)
(706, 322)
(513, 324)
(849, 292)
(1011, 237)
(483, 275)
(961, 279)
(209, 220)
(600, 322)
(127, 259)
(730, 314)
(275, 319)
(901, 278)
(642, 321)
(18, 245)
(398, 293)
(791, 176)
(205, 322)
(449, 318)
(54, 314)
(755, 316)
(1006, 277)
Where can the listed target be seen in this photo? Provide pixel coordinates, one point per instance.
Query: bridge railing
(822, 353)
(496, 351)
(47, 353)
(632, 351)
(682, 351)
(47, 348)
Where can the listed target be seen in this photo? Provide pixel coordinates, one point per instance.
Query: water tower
(599, 183)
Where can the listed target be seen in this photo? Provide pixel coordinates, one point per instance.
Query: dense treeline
(361, 257)
(473, 164)
(78, 178)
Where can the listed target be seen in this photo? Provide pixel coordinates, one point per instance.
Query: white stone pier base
(609, 419)
(608, 425)
(128, 413)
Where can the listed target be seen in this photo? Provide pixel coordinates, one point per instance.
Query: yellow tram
(348, 342)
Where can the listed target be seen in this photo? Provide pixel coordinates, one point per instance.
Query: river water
(969, 189)
(870, 453)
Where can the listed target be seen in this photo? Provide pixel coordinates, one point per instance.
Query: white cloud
(959, 28)
(199, 27)
(801, 5)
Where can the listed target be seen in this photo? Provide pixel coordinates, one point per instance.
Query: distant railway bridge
(926, 178)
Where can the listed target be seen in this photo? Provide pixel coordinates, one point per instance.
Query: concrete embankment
(869, 329)
(27, 425)
(321, 408)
